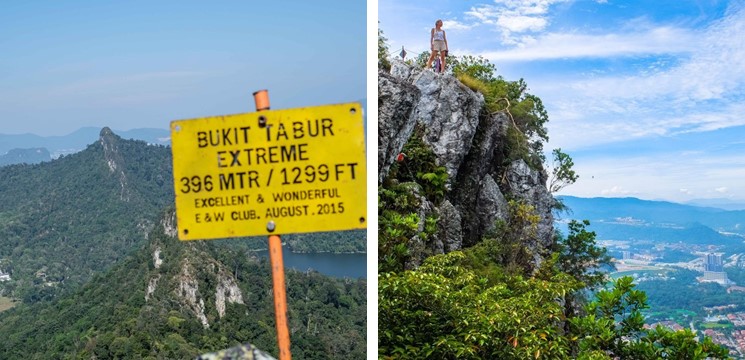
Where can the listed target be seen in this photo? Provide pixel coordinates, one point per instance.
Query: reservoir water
(337, 265)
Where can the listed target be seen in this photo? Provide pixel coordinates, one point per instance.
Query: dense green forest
(109, 317)
(493, 299)
(64, 220)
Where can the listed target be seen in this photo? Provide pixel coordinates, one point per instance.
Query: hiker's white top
(439, 35)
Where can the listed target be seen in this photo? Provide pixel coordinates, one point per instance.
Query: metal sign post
(261, 98)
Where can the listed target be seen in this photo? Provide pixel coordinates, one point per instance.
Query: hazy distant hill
(78, 140)
(25, 156)
(175, 300)
(724, 204)
(632, 218)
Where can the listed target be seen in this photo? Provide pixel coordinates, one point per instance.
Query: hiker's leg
(431, 58)
(442, 61)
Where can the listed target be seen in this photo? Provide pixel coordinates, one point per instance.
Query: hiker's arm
(432, 39)
(446, 39)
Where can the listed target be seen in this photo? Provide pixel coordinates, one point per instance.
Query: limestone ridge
(470, 144)
(109, 141)
(193, 263)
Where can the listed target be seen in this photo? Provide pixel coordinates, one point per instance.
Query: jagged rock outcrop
(471, 145)
(114, 160)
(449, 233)
(447, 109)
(227, 292)
(188, 291)
(530, 185)
(193, 264)
(396, 100)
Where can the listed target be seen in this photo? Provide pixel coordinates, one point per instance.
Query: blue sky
(648, 97)
(134, 64)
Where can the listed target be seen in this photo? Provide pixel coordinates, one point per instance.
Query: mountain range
(632, 218)
(32, 149)
(75, 141)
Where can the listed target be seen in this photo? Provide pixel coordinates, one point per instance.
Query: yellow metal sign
(270, 172)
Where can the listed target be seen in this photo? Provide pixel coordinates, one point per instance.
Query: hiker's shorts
(439, 45)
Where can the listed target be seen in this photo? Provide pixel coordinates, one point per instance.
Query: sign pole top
(261, 98)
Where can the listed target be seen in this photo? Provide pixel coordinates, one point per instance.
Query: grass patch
(473, 83)
(716, 325)
(6, 303)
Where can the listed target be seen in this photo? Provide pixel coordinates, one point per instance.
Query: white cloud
(721, 190)
(616, 190)
(513, 17)
(660, 40)
(658, 175)
(522, 23)
(702, 91)
(456, 25)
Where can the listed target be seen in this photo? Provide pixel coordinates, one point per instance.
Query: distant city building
(626, 255)
(643, 257)
(718, 277)
(713, 262)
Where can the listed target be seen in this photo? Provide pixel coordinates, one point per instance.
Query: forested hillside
(176, 300)
(94, 260)
(64, 220)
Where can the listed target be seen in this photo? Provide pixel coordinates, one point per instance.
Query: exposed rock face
(449, 233)
(447, 109)
(189, 274)
(530, 185)
(152, 286)
(396, 101)
(471, 145)
(114, 159)
(188, 290)
(169, 225)
(227, 291)
(157, 261)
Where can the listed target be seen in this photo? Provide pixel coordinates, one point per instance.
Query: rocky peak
(470, 144)
(448, 111)
(110, 143)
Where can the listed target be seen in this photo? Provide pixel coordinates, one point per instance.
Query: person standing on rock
(438, 44)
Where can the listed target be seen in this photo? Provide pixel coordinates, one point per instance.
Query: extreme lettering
(262, 155)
